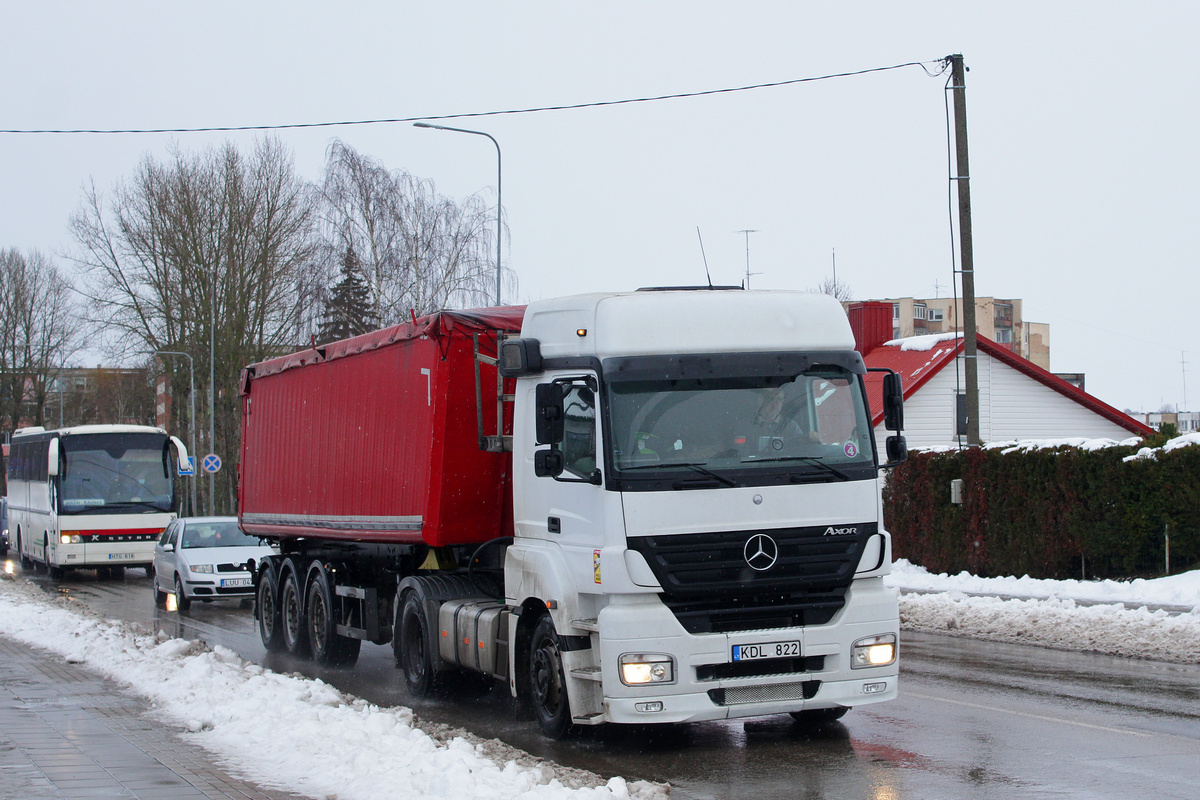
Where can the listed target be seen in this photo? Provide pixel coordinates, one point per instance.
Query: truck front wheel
(547, 681)
(411, 647)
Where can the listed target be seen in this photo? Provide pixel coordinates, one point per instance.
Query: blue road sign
(188, 467)
(212, 462)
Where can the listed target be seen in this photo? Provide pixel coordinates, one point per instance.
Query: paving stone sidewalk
(67, 733)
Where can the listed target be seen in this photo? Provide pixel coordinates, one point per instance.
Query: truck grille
(805, 690)
(711, 586)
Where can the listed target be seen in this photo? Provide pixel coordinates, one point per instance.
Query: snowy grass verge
(1057, 622)
(291, 732)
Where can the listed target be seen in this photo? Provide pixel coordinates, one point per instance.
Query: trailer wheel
(328, 648)
(270, 625)
(547, 681)
(411, 647)
(818, 716)
(292, 611)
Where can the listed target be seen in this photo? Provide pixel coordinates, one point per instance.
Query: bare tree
(40, 330)
(204, 252)
(419, 251)
(839, 290)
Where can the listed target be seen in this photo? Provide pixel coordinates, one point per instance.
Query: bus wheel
(291, 601)
(26, 561)
(270, 626)
(328, 648)
(548, 683)
(54, 572)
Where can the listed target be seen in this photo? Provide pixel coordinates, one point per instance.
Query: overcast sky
(1082, 123)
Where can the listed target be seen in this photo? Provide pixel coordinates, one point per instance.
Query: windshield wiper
(135, 504)
(816, 460)
(690, 465)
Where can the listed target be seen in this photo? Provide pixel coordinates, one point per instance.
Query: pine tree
(348, 311)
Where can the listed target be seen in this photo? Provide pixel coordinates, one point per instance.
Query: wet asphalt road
(974, 720)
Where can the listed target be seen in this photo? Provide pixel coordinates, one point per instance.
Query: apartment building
(1000, 320)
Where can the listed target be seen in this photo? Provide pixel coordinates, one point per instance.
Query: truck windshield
(115, 473)
(738, 430)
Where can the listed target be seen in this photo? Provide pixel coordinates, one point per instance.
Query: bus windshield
(115, 472)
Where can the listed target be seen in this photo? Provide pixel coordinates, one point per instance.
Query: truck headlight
(873, 651)
(201, 568)
(68, 538)
(638, 669)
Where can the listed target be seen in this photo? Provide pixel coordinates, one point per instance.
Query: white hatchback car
(206, 559)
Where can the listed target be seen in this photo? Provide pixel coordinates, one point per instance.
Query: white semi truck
(653, 506)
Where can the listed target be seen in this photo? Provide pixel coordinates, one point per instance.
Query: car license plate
(120, 556)
(764, 650)
(235, 582)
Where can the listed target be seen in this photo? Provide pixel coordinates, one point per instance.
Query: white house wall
(1011, 406)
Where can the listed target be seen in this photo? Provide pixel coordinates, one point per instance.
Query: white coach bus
(91, 497)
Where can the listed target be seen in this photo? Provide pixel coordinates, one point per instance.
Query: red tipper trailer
(323, 456)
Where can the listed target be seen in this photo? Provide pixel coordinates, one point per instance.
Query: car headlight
(201, 568)
(873, 651)
(638, 669)
(69, 538)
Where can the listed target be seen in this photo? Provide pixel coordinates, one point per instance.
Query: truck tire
(328, 648)
(291, 609)
(270, 623)
(411, 646)
(547, 681)
(819, 716)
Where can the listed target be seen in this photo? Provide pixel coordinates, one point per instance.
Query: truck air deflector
(715, 365)
(355, 523)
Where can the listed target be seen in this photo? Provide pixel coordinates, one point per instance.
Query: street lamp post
(499, 172)
(191, 412)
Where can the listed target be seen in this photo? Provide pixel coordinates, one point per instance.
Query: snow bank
(290, 732)
(1048, 612)
(1186, 440)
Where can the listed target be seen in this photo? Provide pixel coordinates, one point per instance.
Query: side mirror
(52, 468)
(181, 453)
(548, 463)
(893, 402)
(897, 450)
(551, 422)
(519, 357)
(168, 548)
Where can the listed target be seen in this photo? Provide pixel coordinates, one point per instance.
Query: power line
(940, 66)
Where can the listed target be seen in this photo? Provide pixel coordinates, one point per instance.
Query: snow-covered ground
(303, 735)
(1118, 618)
(290, 732)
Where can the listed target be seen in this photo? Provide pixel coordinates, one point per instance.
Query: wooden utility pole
(967, 263)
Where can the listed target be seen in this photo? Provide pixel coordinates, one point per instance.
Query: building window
(1004, 336)
(936, 314)
(895, 311)
(920, 311)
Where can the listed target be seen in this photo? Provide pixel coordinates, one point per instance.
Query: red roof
(916, 367)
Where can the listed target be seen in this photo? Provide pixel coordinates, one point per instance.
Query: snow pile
(1049, 613)
(1179, 441)
(923, 343)
(286, 731)
(1081, 443)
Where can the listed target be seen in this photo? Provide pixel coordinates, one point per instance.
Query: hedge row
(1061, 513)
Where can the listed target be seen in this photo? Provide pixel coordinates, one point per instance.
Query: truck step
(590, 624)
(587, 673)
(594, 718)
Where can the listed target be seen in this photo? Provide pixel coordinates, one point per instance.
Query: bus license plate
(754, 652)
(235, 582)
(120, 556)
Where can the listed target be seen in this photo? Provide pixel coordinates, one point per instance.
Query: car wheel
(160, 597)
(547, 681)
(182, 603)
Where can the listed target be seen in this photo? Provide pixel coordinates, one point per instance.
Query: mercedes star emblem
(761, 552)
